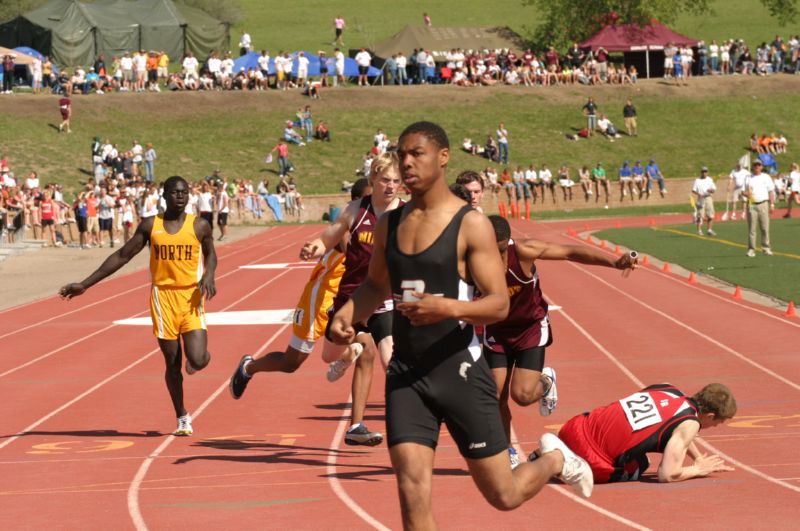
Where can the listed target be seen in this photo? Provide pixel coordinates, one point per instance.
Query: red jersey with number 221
(643, 422)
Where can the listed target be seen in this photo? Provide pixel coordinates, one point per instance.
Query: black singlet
(434, 271)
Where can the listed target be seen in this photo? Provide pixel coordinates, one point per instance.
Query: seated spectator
(175, 82)
(607, 128)
(491, 150)
(765, 144)
(322, 132)
(292, 136)
(312, 89)
(565, 182)
(780, 142)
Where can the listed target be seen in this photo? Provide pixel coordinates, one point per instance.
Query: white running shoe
(184, 428)
(337, 368)
(549, 401)
(576, 471)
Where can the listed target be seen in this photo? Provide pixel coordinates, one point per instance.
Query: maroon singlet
(527, 325)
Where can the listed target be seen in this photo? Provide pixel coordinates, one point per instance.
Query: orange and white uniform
(311, 314)
(176, 267)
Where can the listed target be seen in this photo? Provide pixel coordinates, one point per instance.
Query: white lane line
(235, 318)
(336, 485)
(116, 295)
(680, 323)
(564, 491)
(133, 490)
(641, 385)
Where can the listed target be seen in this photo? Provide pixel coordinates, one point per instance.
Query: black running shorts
(530, 358)
(459, 391)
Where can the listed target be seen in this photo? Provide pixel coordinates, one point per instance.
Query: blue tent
(34, 53)
(250, 60)
(769, 162)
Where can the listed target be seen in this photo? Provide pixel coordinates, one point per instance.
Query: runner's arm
(113, 263)
(205, 234)
(672, 469)
(332, 235)
(532, 250)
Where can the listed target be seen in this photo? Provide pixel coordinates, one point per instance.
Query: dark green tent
(75, 33)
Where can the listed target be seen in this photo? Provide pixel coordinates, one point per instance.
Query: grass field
(193, 133)
(724, 256)
(275, 24)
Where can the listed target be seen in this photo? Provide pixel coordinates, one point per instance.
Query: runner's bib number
(640, 410)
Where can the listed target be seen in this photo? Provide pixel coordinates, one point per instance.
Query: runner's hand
(309, 250)
(428, 309)
(71, 290)
(706, 464)
(341, 330)
(207, 287)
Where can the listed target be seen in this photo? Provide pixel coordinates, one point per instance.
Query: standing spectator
(47, 73)
(602, 63)
(8, 73)
(137, 158)
(575, 56)
(190, 66)
(245, 43)
(736, 181)
(302, 69)
(629, 113)
(323, 69)
(284, 166)
(391, 69)
(502, 143)
(654, 174)
(760, 192)
(427, 20)
(338, 26)
(126, 65)
(48, 208)
(105, 216)
(402, 75)
(36, 74)
(703, 190)
(92, 219)
(338, 57)
(65, 107)
(205, 203)
(223, 209)
(713, 52)
(590, 111)
(150, 157)
(702, 55)
(151, 64)
(363, 59)
(600, 182)
(793, 189)
(163, 67)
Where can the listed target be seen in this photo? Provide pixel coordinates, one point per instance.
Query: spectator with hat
(760, 192)
(654, 174)
(290, 135)
(703, 189)
(8, 73)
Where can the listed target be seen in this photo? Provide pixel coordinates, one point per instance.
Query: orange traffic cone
(665, 269)
(603, 244)
(737, 293)
(585, 226)
(528, 210)
(646, 260)
(589, 238)
(502, 207)
(571, 231)
(692, 280)
(790, 310)
(617, 251)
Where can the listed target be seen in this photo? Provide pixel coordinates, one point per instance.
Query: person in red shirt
(48, 212)
(65, 106)
(92, 222)
(616, 438)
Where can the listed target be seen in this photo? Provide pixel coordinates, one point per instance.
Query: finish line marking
(290, 265)
(240, 318)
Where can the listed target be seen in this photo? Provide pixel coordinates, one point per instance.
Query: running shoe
(336, 369)
(751, 253)
(711, 232)
(549, 401)
(240, 379)
(767, 252)
(359, 435)
(576, 471)
(184, 428)
(513, 456)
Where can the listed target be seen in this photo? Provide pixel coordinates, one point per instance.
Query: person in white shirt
(546, 182)
(302, 69)
(36, 74)
(363, 60)
(263, 63)
(140, 65)
(244, 44)
(137, 152)
(502, 143)
(402, 75)
(760, 193)
(215, 67)
(288, 64)
(793, 192)
(190, 65)
(736, 182)
(339, 60)
(703, 189)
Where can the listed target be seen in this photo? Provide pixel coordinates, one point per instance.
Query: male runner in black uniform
(427, 254)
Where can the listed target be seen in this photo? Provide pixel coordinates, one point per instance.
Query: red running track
(85, 417)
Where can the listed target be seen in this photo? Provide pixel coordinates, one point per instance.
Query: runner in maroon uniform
(616, 438)
(65, 107)
(516, 345)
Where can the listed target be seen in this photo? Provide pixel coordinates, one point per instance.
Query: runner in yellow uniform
(182, 266)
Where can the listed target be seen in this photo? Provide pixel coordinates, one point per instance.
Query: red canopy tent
(632, 38)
